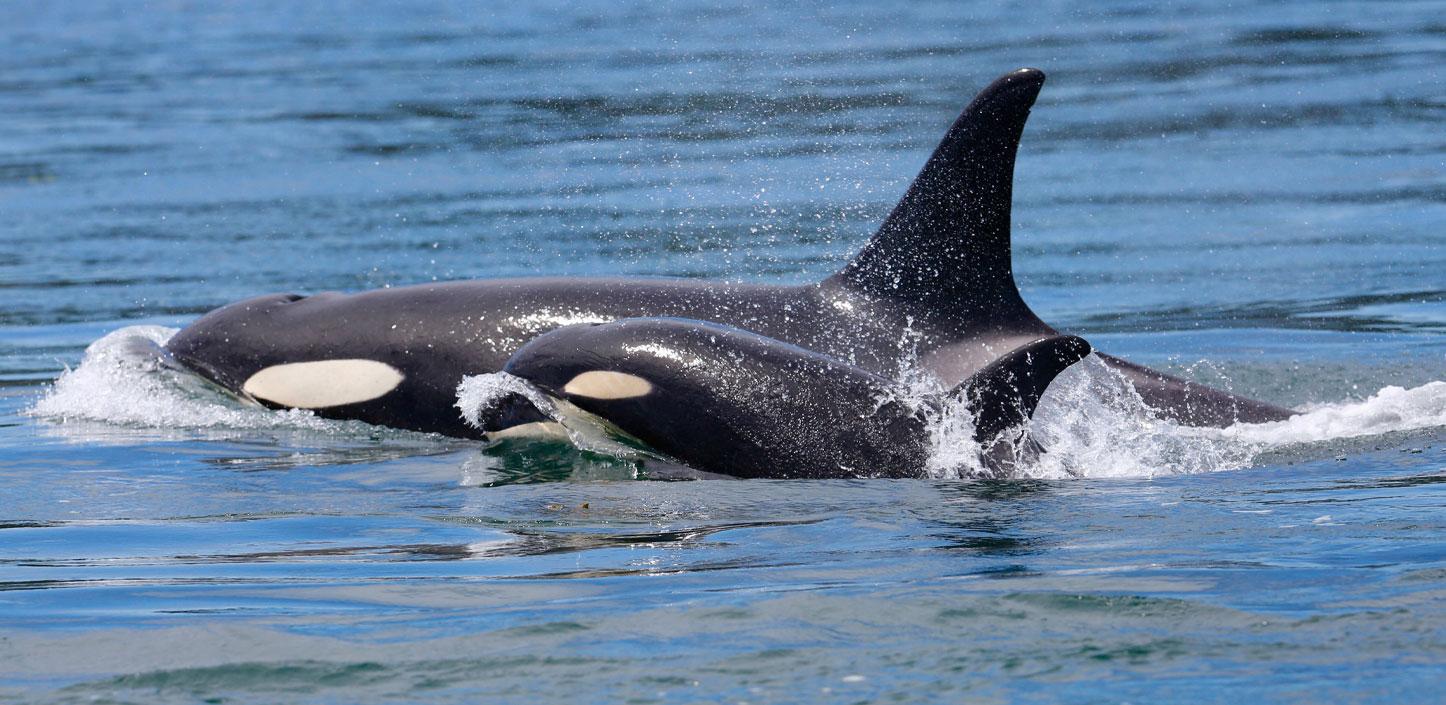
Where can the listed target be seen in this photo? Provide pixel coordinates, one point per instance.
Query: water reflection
(512, 461)
(990, 519)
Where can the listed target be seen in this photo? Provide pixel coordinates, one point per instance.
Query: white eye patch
(323, 383)
(606, 384)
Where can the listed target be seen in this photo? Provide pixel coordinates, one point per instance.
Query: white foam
(1094, 424)
(1389, 410)
(479, 393)
(125, 379)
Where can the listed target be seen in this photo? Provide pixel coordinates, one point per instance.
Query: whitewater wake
(1091, 421)
(127, 379)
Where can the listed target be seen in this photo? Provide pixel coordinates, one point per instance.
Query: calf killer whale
(933, 290)
(732, 402)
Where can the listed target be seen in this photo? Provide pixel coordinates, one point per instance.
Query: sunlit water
(1253, 198)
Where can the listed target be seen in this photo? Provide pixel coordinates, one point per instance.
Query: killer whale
(932, 290)
(732, 402)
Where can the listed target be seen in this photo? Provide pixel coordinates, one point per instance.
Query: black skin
(733, 402)
(934, 289)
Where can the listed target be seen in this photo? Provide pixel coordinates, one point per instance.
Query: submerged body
(933, 291)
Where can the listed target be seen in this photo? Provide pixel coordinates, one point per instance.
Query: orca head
(266, 349)
(645, 376)
(233, 342)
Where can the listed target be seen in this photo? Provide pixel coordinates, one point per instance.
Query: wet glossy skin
(438, 333)
(933, 289)
(732, 402)
(728, 401)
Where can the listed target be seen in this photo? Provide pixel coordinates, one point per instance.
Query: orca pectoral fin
(945, 247)
(1004, 394)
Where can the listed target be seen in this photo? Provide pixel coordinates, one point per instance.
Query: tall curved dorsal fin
(945, 247)
(1004, 394)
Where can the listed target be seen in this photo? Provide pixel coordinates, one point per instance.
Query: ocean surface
(1250, 196)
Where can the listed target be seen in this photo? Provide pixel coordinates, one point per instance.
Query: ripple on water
(1261, 189)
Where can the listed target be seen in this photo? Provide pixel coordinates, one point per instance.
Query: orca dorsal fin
(1004, 394)
(946, 244)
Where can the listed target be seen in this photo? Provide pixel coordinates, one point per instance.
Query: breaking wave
(127, 379)
(1095, 425)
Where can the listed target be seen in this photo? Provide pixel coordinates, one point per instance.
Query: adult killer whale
(933, 290)
(732, 402)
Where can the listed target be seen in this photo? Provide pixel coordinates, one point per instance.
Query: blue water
(1250, 196)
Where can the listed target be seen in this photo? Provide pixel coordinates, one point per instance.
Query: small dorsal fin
(1004, 394)
(946, 246)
